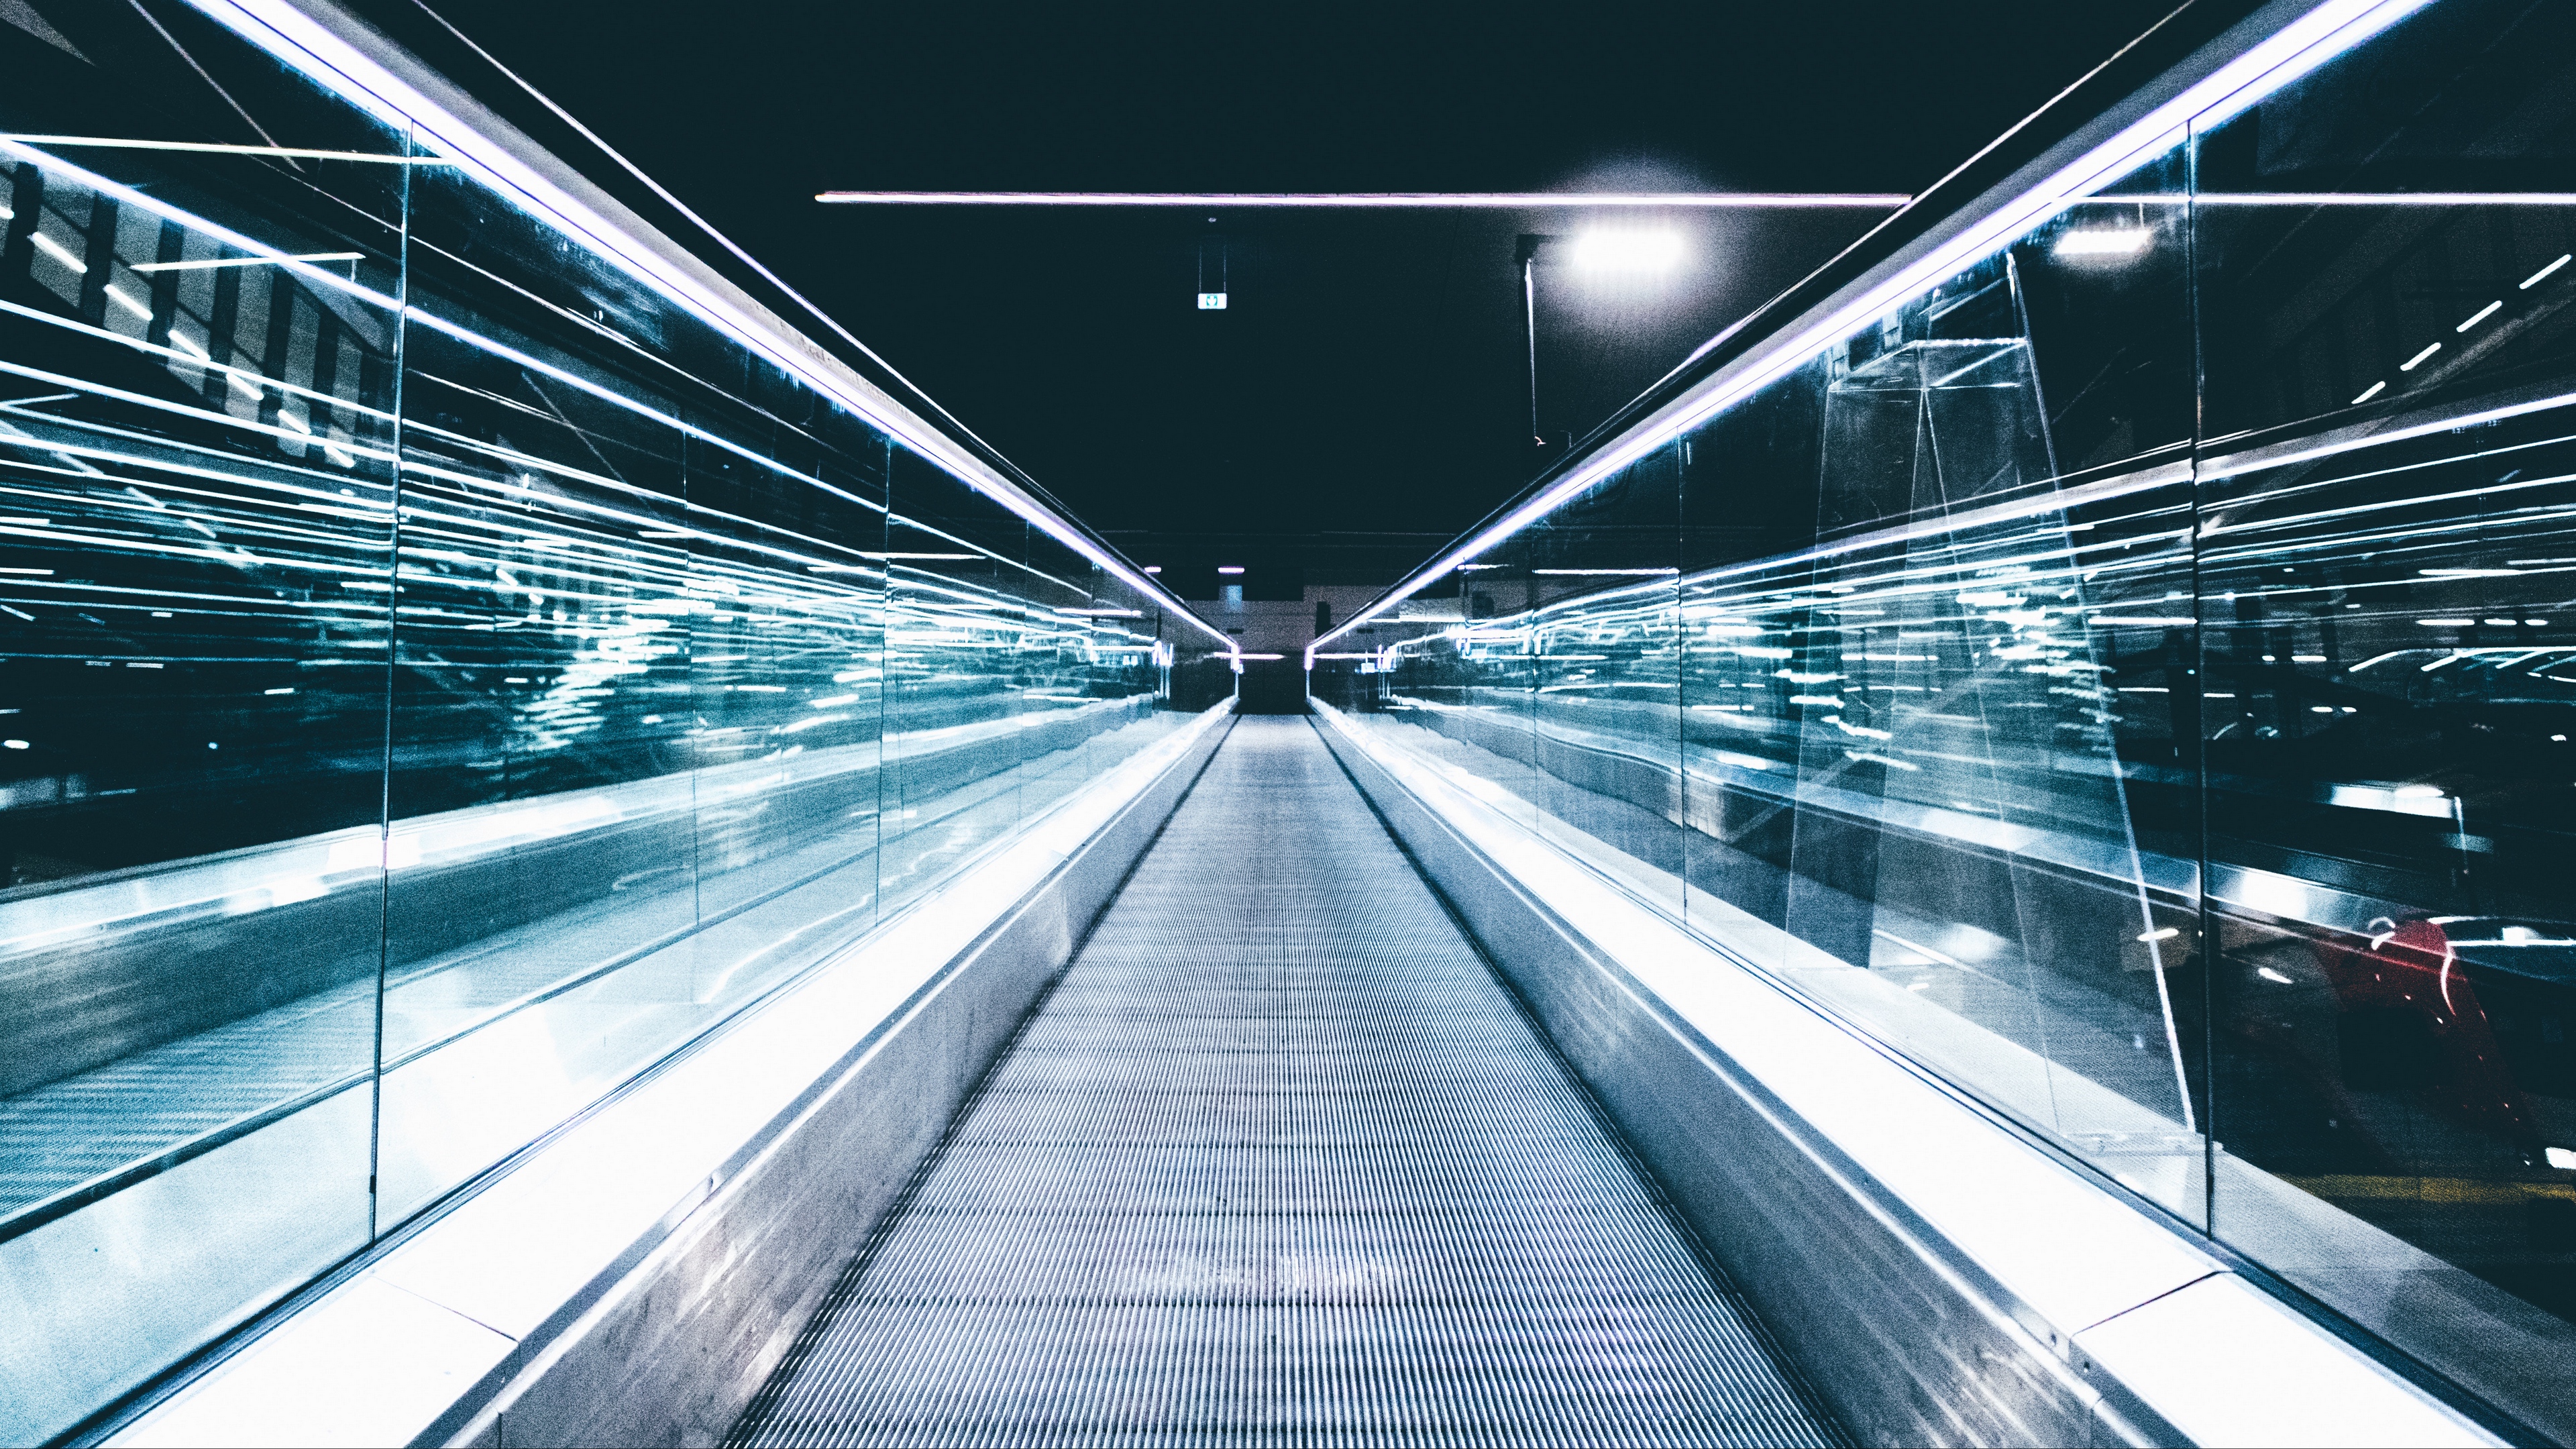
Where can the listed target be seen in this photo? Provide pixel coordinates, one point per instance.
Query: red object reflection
(2409, 1017)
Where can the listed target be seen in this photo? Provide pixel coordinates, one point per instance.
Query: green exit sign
(1211, 301)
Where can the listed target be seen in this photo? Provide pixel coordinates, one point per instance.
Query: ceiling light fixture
(1629, 251)
(1429, 200)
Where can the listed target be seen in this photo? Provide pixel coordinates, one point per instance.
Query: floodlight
(1628, 249)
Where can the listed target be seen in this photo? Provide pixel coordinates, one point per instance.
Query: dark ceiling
(1368, 374)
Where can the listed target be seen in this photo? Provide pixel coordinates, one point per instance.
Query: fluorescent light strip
(55, 379)
(2237, 465)
(318, 490)
(978, 551)
(312, 49)
(199, 266)
(618, 399)
(127, 144)
(526, 464)
(2289, 53)
(144, 201)
(2373, 198)
(2419, 500)
(1354, 200)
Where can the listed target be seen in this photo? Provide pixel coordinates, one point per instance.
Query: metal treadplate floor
(1279, 1163)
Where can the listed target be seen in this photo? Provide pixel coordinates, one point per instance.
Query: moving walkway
(585, 866)
(1280, 1160)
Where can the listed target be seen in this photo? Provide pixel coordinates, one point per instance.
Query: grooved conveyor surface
(1279, 1162)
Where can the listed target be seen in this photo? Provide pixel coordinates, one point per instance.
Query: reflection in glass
(196, 530)
(444, 677)
(1869, 640)
(2126, 678)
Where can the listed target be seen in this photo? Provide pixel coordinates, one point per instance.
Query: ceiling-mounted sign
(1211, 301)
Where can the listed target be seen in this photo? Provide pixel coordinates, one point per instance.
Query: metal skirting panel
(1280, 1162)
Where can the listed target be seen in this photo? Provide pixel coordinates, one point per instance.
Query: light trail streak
(212, 263)
(127, 143)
